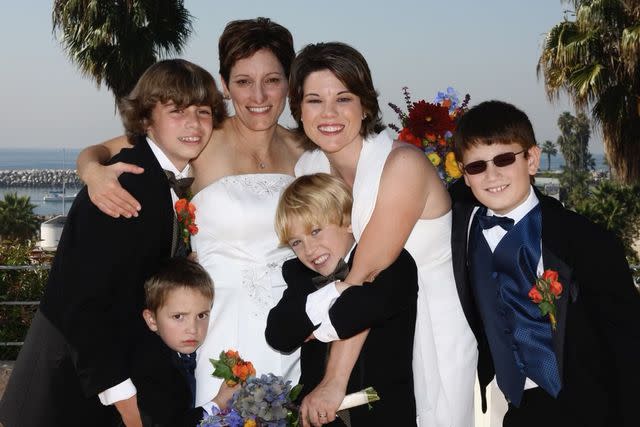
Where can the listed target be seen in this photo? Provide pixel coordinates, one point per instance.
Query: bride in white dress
(332, 98)
(238, 179)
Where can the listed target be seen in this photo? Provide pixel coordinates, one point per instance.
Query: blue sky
(486, 48)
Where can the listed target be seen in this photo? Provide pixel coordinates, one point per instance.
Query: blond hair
(315, 200)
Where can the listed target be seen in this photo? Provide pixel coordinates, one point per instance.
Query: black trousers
(44, 389)
(538, 408)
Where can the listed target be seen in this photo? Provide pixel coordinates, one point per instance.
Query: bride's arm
(403, 193)
(102, 181)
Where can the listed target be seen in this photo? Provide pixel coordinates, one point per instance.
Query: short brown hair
(176, 273)
(317, 199)
(171, 80)
(242, 38)
(493, 122)
(350, 67)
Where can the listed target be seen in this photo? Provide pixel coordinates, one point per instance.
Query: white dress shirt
(127, 389)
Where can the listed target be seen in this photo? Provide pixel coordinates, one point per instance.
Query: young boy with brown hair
(75, 365)
(178, 301)
(578, 367)
(314, 218)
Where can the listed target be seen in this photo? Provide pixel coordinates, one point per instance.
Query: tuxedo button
(507, 331)
(514, 347)
(494, 275)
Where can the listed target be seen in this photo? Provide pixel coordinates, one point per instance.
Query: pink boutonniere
(545, 291)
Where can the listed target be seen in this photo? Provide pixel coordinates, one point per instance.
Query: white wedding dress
(238, 247)
(445, 351)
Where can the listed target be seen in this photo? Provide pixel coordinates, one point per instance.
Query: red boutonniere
(186, 215)
(232, 368)
(545, 291)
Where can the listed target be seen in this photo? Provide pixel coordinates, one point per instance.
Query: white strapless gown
(238, 247)
(445, 351)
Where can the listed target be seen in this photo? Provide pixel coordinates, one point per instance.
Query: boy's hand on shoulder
(225, 393)
(128, 409)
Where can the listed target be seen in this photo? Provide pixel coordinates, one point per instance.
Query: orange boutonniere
(545, 291)
(232, 368)
(186, 215)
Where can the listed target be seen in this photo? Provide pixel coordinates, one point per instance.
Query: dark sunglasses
(501, 160)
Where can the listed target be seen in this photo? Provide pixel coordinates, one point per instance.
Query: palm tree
(574, 141)
(115, 41)
(549, 148)
(17, 220)
(595, 59)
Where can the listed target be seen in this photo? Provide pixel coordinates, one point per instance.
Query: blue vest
(519, 337)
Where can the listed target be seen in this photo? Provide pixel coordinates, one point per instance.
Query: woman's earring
(364, 116)
(226, 97)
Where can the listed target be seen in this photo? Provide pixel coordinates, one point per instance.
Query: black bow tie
(181, 186)
(341, 271)
(487, 222)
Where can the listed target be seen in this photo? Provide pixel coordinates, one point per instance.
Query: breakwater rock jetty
(39, 178)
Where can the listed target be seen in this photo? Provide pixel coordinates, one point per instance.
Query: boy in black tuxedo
(581, 368)
(314, 218)
(74, 368)
(178, 302)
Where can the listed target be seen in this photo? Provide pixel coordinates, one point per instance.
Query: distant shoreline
(39, 178)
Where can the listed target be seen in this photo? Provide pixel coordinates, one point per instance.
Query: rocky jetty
(39, 178)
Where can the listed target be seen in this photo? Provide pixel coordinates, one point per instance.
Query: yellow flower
(250, 423)
(451, 166)
(435, 159)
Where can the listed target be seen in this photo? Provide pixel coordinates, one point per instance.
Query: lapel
(555, 251)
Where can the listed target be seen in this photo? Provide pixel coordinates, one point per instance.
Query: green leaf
(545, 308)
(295, 392)
(221, 370)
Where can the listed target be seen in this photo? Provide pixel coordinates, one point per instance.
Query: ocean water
(32, 158)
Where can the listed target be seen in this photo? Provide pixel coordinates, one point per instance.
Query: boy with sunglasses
(505, 235)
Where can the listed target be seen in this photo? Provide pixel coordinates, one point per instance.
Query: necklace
(261, 164)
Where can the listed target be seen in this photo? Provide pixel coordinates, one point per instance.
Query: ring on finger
(322, 415)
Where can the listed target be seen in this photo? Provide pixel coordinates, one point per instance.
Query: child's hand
(224, 395)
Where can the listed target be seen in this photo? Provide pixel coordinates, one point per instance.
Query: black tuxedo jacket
(387, 306)
(597, 339)
(95, 293)
(164, 397)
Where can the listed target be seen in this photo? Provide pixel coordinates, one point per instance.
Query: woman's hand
(106, 192)
(320, 406)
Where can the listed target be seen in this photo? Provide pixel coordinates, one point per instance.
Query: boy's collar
(521, 210)
(164, 161)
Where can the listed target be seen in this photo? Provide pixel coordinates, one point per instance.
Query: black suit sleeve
(99, 272)
(288, 325)
(362, 307)
(606, 285)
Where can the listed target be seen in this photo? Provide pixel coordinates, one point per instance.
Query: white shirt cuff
(320, 301)
(119, 392)
(208, 407)
(326, 332)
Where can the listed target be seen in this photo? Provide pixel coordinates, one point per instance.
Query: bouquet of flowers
(429, 126)
(232, 368)
(266, 401)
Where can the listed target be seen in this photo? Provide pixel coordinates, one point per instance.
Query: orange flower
(192, 209)
(551, 275)
(406, 136)
(555, 287)
(250, 423)
(193, 229)
(181, 204)
(243, 370)
(535, 295)
(232, 354)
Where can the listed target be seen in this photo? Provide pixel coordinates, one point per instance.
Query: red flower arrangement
(430, 126)
(186, 215)
(545, 291)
